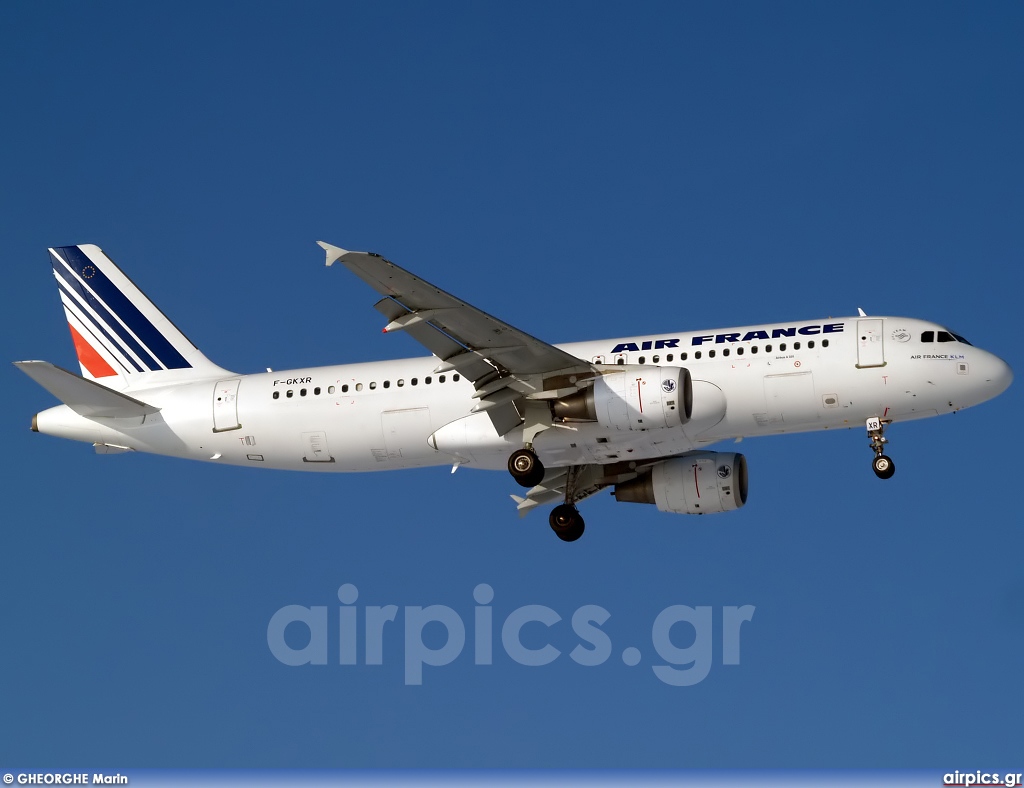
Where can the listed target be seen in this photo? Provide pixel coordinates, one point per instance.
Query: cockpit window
(942, 336)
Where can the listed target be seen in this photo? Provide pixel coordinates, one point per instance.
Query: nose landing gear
(882, 465)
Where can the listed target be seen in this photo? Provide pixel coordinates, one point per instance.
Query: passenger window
(682, 356)
(620, 360)
(767, 348)
(655, 359)
(928, 336)
(739, 351)
(725, 352)
(696, 354)
(440, 378)
(753, 349)
(824, 343)
(277, 394)
(288, 393)
(810, 345)
(302, 392)
(711, 354)
(455, 377)
(642, 360)
(782, 347)
(317, 391)
(401, 382)
(426, 380)
(414, 381)
(387, 384)
(373, 385)
(359, 386)
(668, 358)
(796, 346)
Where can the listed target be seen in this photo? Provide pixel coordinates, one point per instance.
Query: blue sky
(582, 171)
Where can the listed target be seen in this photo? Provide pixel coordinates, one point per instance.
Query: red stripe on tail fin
(93, 362)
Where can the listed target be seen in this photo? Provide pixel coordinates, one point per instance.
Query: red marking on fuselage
(93, 362)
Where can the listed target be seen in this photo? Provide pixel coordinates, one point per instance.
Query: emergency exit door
(225, 405)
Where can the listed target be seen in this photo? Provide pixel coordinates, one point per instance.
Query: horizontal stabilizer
(84, 397)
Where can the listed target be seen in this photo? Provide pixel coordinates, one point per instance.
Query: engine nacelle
(702, 482)
(640, 398)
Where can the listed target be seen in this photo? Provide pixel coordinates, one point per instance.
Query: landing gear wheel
(566, 522)
(883, 467)
(525, 468)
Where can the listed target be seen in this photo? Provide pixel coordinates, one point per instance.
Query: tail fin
(121, 338)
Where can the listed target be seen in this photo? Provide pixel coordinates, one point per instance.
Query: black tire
(566, 522)
(525, 468)
(883, 467)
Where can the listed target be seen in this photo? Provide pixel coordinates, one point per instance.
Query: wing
(574, 483)
(507, 366)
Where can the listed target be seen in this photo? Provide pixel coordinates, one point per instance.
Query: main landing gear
(883, 466)
(566, 522)
(565, 519)
(526, 468)
(528, 471)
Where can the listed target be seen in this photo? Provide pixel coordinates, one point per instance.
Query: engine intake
(640, 398)
(702, 482)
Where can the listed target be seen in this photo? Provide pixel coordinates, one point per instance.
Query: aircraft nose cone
(999, 375)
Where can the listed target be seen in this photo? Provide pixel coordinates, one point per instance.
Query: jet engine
(701, 482)
(640, 398)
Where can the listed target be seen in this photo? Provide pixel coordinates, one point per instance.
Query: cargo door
(790, 398)
(406, 433)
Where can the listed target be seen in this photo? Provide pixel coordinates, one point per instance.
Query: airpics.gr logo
(299, 635)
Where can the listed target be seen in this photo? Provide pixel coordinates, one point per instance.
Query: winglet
(861, 312)
(333, 252)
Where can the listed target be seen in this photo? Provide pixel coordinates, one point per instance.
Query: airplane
(634, 414)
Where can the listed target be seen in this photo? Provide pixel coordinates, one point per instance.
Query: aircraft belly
(592, 443)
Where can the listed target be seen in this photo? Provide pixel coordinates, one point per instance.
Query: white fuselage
(749, 381)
